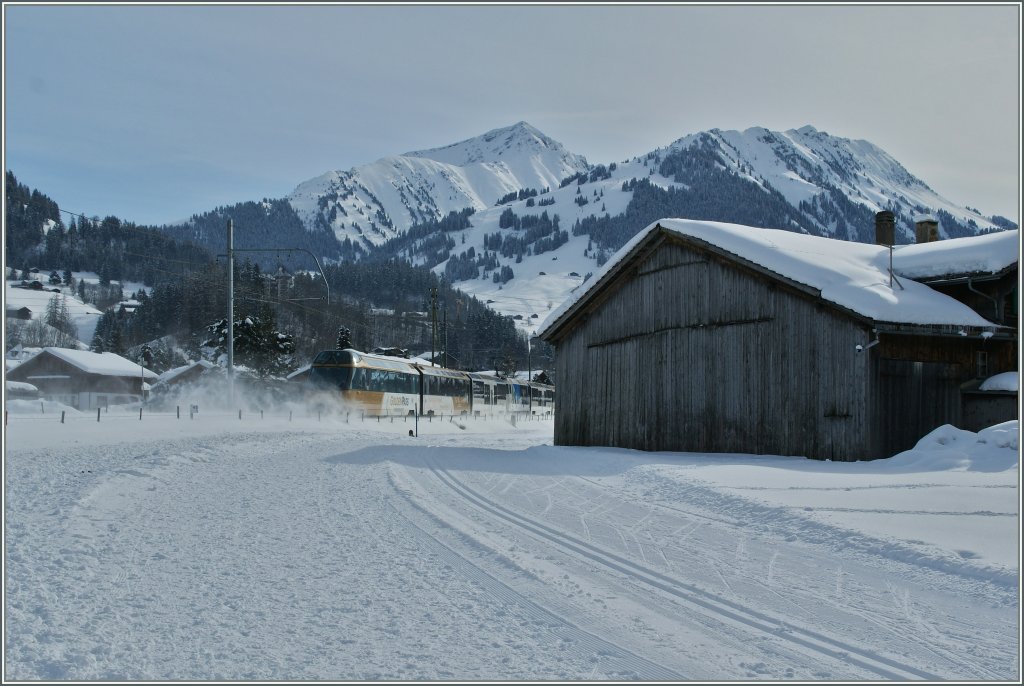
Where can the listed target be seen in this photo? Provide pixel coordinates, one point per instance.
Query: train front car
(375, 385)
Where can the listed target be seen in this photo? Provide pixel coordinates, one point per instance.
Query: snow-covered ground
(297, 547)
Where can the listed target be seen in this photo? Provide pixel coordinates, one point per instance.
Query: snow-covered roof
(300, 370)
(109, 364)
(854, 276)
(20, 386)
(171, 374)
(988, 254)
(1007, 381)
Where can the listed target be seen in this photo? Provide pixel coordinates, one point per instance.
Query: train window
(481, 392)
(359, 380)
(330, 377)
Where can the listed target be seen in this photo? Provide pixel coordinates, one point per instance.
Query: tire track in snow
(615, 660)
(707, 603)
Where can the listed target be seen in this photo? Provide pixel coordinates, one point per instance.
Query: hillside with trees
(383, 302)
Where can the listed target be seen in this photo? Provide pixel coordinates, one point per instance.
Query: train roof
(355, 358)
(350, 357)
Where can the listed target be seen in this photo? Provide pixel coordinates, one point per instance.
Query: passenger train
(384, 385)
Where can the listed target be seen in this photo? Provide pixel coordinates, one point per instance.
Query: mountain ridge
(495, 208)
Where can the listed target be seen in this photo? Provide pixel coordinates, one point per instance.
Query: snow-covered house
(714, 337)
(188, 373)
(82, 379)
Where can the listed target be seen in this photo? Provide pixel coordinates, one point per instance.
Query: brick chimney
(885, 228)
(926, 229)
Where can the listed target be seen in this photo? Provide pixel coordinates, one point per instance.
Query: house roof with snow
(172, 374)
(853, 277)
(959, 258)
(106, 364)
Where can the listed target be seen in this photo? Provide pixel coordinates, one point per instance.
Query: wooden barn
(82, 379)
(712, 337)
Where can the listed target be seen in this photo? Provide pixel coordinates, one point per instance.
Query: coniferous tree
(344, 338)
(58, 317)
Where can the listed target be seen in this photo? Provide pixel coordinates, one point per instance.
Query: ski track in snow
(342, 553)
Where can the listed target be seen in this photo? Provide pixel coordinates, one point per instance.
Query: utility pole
(433, 324)
(529, 369)
(446, 337)
(231, 312)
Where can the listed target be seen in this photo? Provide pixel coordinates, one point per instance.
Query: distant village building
(82, 379)
(23, 313)
(713, 337)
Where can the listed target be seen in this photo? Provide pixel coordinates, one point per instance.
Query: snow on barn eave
(977, 257)
(108, 364)
(852, 277)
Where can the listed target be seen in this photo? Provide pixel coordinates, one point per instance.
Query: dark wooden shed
(709, 337)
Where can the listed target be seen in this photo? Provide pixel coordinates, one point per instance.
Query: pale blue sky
(153, 113)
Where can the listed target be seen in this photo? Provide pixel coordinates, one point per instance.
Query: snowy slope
(374, 202)
(802, 163)
(84, 316)
(300, 549)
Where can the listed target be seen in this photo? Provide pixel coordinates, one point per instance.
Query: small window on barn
(980, 364)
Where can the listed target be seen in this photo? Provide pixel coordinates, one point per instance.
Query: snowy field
(219, 548)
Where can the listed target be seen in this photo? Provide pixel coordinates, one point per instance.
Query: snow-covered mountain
(543, 218)
(810, 168)
(375, 202)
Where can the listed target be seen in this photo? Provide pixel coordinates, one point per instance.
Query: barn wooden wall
(691, 353)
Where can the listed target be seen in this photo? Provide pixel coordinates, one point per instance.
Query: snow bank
(947, 448)
(39, 407)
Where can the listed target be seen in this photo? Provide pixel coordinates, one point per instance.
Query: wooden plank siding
(690, 351)
(917, 383)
